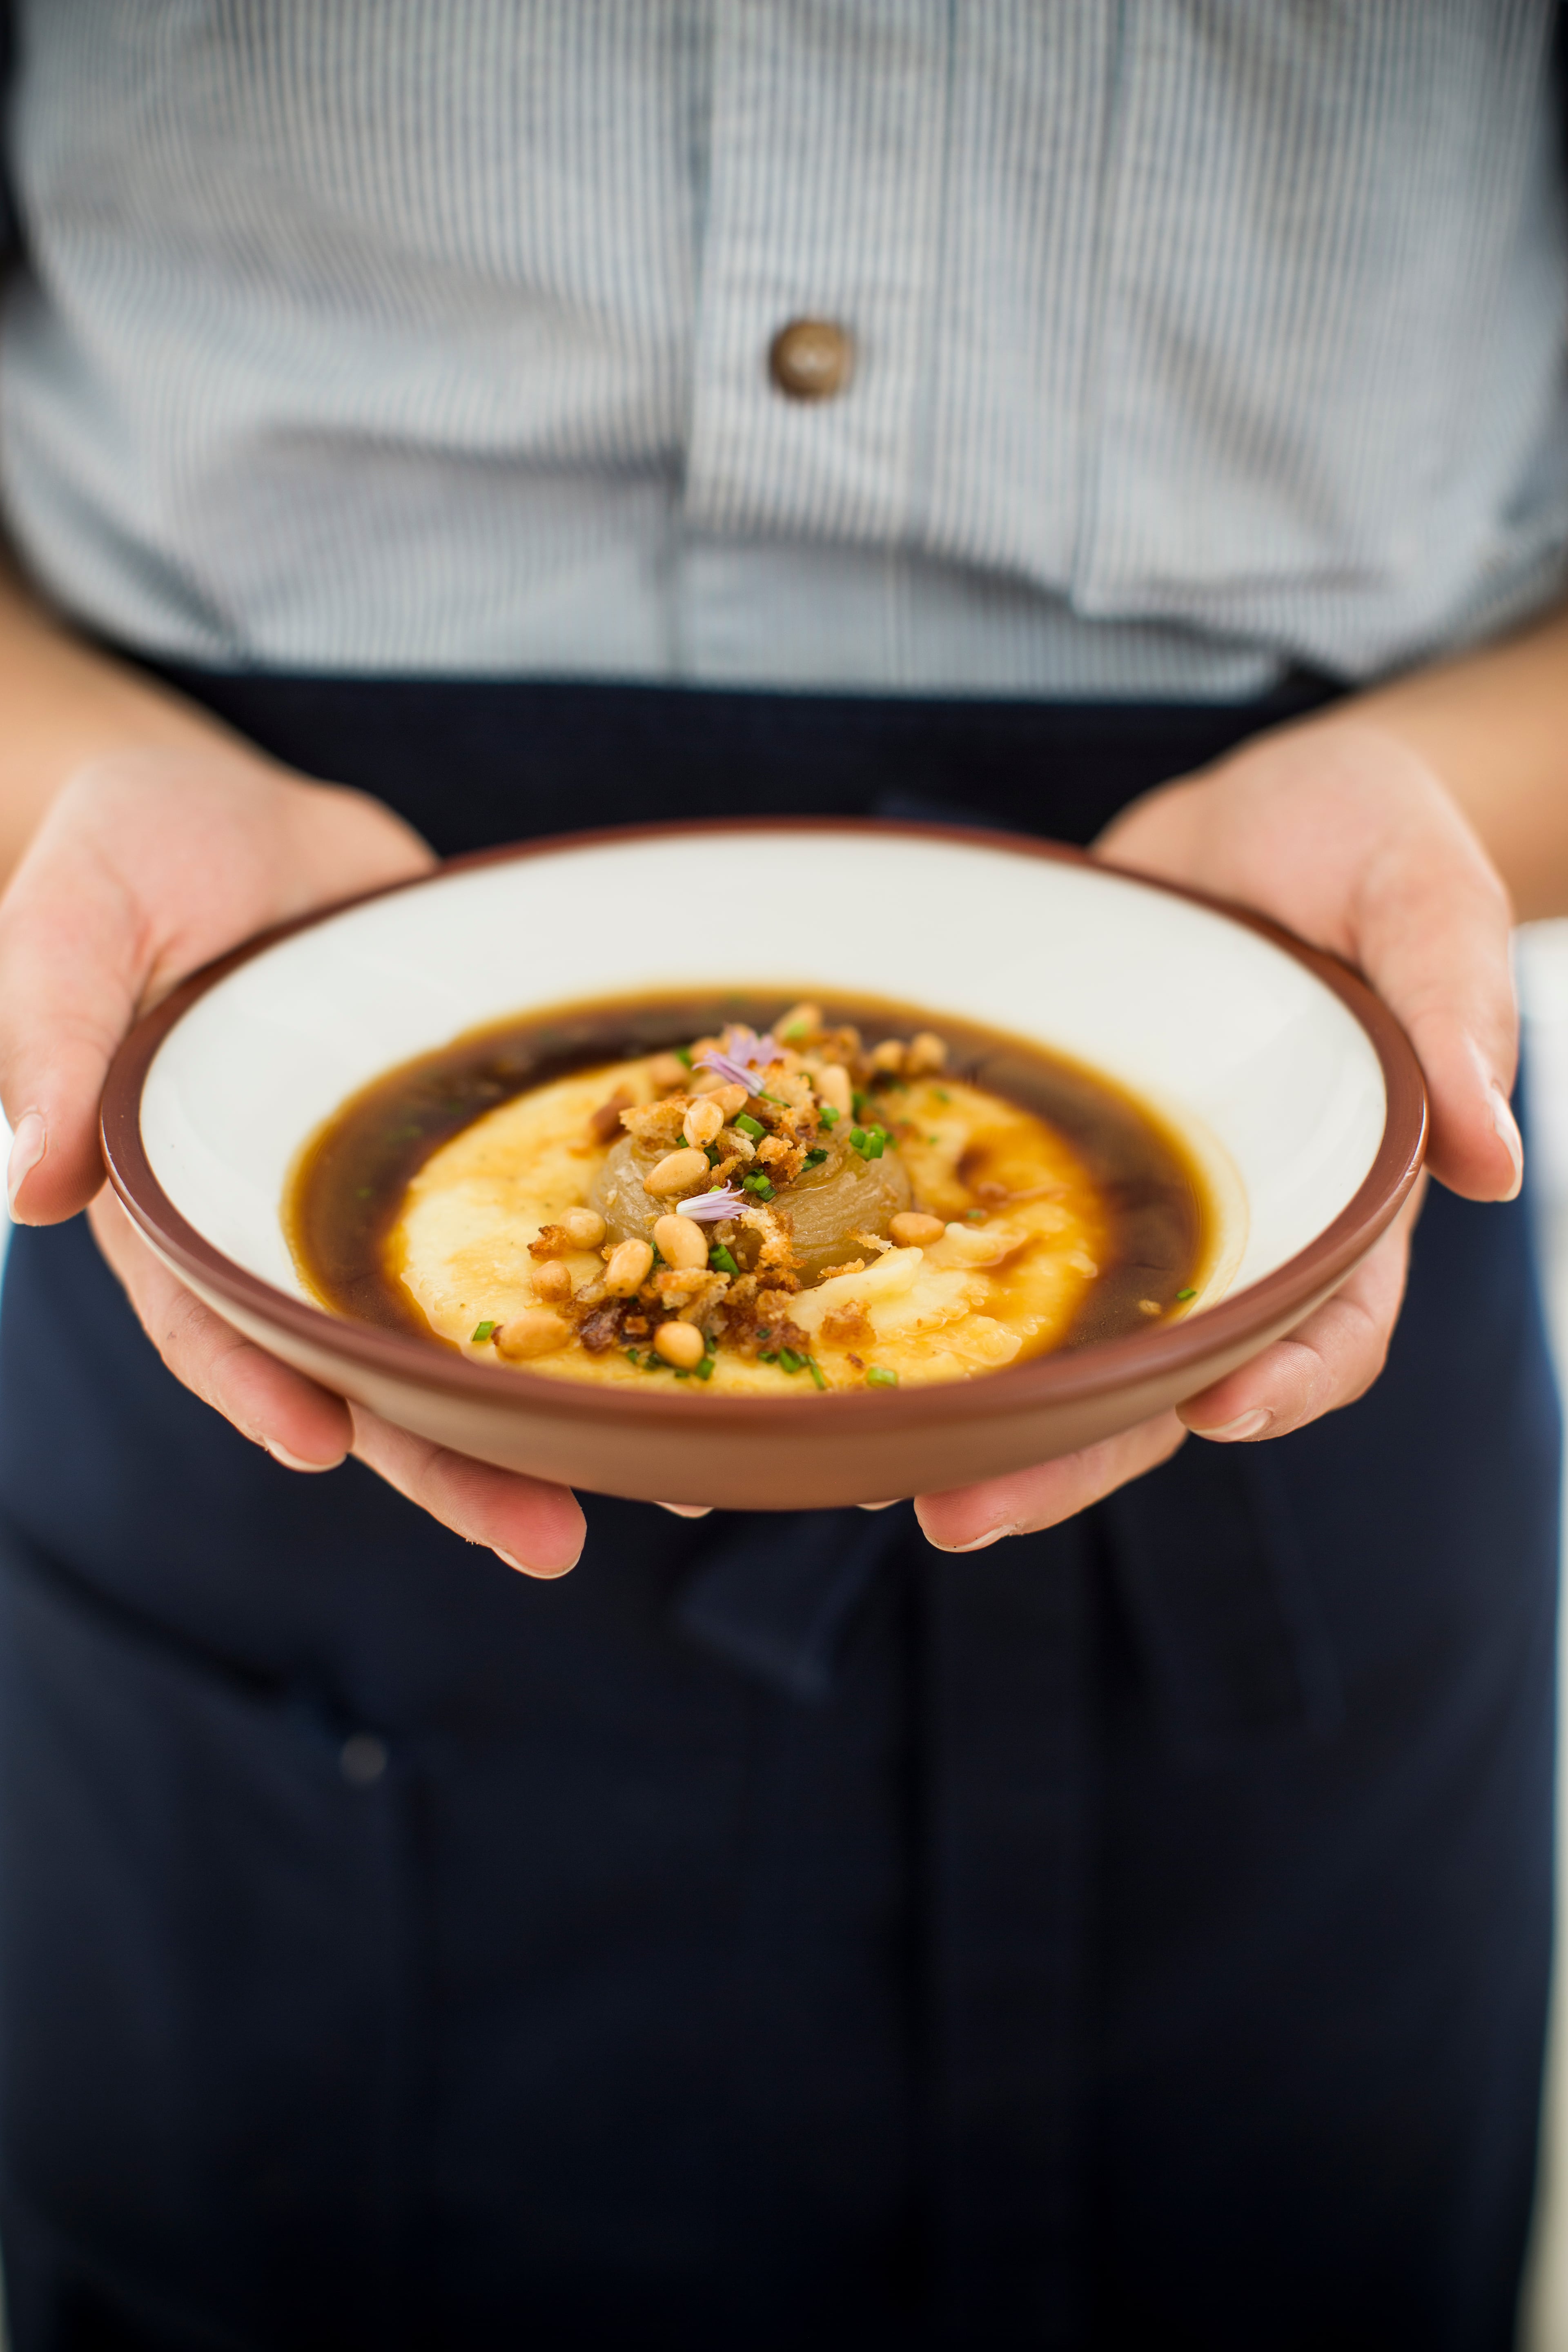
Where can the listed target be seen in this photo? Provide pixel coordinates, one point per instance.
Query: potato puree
(1006, 1276)
(652, 1190)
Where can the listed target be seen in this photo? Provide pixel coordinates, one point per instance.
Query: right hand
(148, 864)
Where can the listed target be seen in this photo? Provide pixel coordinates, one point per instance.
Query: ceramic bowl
(1285, 1076)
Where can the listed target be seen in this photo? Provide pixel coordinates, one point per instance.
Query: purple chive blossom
(744, 1059)
(709, 1207)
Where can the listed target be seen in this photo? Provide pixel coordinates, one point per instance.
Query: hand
(1342, 832)
(148, 864)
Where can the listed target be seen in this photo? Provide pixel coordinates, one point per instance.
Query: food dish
(1285, 1082)
(738, 1194)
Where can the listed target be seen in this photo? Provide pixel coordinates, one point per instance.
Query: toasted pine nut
(833, 1087)
(926, 1051)
(551, 1280)
(887, 1056)
(913, 1229)
(585, 1226)
(668, 1071)
(629, 1267)
(678, 1171)
(680, 1344)
(537, 1331)
(702, 1122)
(729, 1097)
(800, 1021)
(681, 1242)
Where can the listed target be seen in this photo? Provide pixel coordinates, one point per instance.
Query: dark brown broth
(349, 1186)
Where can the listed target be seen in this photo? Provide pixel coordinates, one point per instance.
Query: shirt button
(812, 359)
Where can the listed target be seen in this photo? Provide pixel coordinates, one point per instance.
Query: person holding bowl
(1148, 428)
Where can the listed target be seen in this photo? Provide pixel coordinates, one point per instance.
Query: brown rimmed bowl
(1291, 1085)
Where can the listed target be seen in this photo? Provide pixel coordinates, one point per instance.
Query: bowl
(1279, 1069)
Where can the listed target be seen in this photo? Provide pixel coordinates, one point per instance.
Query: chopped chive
(683, 1054)
(720, 1259)
(791, 1361)
(857, 1101)
(879, 1377)
(796, 1029)
(975, 1216)
(934, 1139)
(856, 1138)
(747, 1124)
(827, 1115)
(942, 1094)
(713, 1153)
(705, 1369)
(482, 1332)
(1186, 1294)
(762, 1186)
(870, 1143)
(815, 1159)
(364, 1192)
(815, 1368)
(767, 1355)
(631, 1355)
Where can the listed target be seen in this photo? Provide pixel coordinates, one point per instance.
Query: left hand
(1344, 834)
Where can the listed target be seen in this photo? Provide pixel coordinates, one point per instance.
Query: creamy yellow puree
(983, 1296)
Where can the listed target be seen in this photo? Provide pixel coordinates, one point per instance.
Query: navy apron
(776, 1932)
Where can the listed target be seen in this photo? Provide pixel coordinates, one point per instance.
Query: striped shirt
(1193, 339)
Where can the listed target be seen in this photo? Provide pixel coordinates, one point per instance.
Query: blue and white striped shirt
(1195, 338)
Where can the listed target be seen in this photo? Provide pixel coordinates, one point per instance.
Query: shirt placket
(824, 210)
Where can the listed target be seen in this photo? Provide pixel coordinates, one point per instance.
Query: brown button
(812, 359)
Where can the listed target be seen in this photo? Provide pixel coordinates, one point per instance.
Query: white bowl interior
(1260, 1064)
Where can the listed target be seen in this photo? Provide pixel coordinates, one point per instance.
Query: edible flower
(742, 1059)
(709, 1207)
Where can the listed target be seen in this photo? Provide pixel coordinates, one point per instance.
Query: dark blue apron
(776, 1932)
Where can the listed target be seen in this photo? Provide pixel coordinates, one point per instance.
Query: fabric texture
(1194, 341)
(774, 1932)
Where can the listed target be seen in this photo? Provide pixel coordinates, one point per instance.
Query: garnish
(814, 1158)
(741, 1059)
(761, 1187)
(878, 1376)
(705, 1369)
(746, 1125)
(483, 1331)
(683, 1054)
(791, 1361)
(827, 1115)
(708, 1208)
(870, 1143)
(1186, 1294)
(720, 1261)
(815, 1368)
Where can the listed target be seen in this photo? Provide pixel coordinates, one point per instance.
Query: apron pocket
(204, 1966)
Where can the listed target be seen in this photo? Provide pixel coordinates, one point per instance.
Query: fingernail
(684, 1510)
(28, 1146)
(1508, 1135)
(1245, 1424)
(523, 1568)
(976, 1543)
(877, 1507)
(297, 1461)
